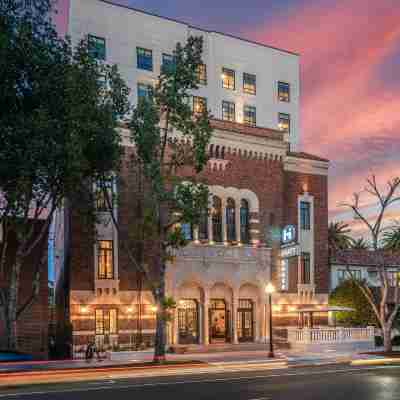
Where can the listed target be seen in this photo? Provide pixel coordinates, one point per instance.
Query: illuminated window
(244, 222)
(284, 122)
(97, 47)
(305, 268)
(168, 62)
(201, 72)
(106, 321)
(228, 78)
(228, 111)
(217, 219)
(393, 278)
(199, 104)
(144, 90)
(305, 215)
(144, 59)
(230, 220)
(249, 83)
(105, 262)
(100, 196)
(249, 115)
(283, 91)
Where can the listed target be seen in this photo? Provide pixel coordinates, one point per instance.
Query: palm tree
(391, 239)
(338, 238)
(360, 244)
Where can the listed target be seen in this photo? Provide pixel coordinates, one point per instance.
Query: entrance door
(219, 324)
(188, 322)
(245, 322)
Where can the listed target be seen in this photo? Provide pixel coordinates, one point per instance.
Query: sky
(350, 73)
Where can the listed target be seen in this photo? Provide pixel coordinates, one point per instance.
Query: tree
(170, 141)
(387, 304)
(59, 110)
(360, 244)
(391, 239)
(348, 294)
(338, 238)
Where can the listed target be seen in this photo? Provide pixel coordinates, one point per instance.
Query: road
(311, 383)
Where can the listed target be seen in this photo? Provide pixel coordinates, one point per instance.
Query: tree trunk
(11, 314)
(387, 339)
(159, 345)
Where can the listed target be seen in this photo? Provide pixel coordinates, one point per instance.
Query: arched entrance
(247, 313)
(220, 328)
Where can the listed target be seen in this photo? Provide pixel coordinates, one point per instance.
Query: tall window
(244, 222)
(100, 196)
(105, 262)
(305, 215)
(283, 91)
(249, 115)
(106, 321)
(203, 225)
(186, 229)
(284, 122)
(168, 62)
(199, 104)
(144, 59)
(144, 91)
(97, 47)
(228, 111)
(249, 83)
(230, 220)
(343, 275)
(305, 267)
(201, 72)
(228, 78)
(217, 219)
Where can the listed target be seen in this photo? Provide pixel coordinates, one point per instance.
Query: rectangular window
(168, 62)
(144, 59)
(100, 197)
(284, 92)
(97, 47)
(305, 266)
(393, 278)
(228, 78)
(201, 72)
(305, 215)
(199, 104)
(106, 321)
(249, 83)
(144, 91)
(228, 111)
(186, 230)
(249, 115)
(344, 274)
(284, 122)
(105, 262)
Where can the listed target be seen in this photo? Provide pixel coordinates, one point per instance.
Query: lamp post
(269, 289)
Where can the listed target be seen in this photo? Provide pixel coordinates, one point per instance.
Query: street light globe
(269, 288)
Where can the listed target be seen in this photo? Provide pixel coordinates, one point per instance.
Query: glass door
(245, 321)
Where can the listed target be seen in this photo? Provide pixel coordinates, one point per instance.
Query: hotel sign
(288, 234)
(290, 251)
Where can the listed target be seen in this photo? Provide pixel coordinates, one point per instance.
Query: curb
(378, 361)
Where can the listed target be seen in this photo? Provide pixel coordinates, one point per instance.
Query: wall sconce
(305, 187)
(83, 310)
(276, 308)
(129, 310)
(154, 309)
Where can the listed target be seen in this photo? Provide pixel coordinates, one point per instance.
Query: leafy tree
(59, 110)
(348, 294)
(387, 305)
(338, 236)
(391, 239)
(170, 142)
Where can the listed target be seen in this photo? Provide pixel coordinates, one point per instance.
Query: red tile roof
(368, 258)
(306, 156)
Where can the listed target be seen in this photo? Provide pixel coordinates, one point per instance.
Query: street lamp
(269, 289)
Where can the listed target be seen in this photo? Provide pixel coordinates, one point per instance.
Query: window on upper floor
(144, 59)
(228, 78)
(284, 122)
(104, 192)
(230, 220)
(284, 91)
(199, 104)
(105, 259)
(249, 115)
(244, 222)
(216, 218)
(168, 62)
(201, 72)
(228, 111)
(97, 47)
(186, 229)
(249, 83)
(305, 215)
(393, 278)
(305, 268)
(144, 91)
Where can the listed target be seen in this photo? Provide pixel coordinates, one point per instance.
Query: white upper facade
(124, 30)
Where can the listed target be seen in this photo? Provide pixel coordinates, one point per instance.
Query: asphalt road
(327, 383)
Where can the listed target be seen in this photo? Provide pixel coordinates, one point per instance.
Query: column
(224, 224)
(256, 319)
(235, 301)
(175, 335)
(196, 234)
(237, 221)
(206, 322)
(210, 230)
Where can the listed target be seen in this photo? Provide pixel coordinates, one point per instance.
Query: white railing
(331, 335)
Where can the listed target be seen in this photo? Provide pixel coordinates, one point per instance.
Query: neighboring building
(268, 217)
(363, 265)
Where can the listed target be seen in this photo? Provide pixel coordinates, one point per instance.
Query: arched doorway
(188, 321)
(220, 327)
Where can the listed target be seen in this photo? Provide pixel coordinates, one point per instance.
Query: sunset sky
(350, 67)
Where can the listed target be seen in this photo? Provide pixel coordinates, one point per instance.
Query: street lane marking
(194, 381)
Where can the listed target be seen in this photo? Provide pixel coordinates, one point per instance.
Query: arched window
(203, 225)
(244, 221)
(230, 220)
(217, 219)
